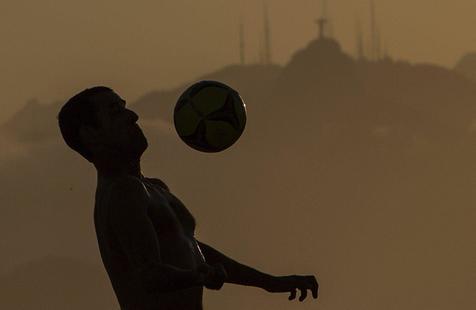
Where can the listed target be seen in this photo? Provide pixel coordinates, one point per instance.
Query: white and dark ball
(210, 116)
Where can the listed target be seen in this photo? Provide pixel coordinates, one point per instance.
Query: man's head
(95, 123)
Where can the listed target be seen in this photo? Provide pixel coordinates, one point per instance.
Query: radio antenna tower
(242, 42)
(359, 40)
(375, 44)
(267, 35)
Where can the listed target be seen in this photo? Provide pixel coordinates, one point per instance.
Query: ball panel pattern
(210, 116)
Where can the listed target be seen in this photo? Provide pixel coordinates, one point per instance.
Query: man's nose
(132, 115)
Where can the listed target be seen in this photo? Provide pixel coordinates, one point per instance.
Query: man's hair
(76, 112)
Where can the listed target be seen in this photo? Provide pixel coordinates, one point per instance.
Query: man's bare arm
(137, 237)
(244, 275)
(237, 272)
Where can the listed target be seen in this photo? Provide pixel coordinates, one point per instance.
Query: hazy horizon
(53, 50)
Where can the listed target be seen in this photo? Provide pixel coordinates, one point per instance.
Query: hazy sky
(52, 49)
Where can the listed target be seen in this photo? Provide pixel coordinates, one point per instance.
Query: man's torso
(174, 227)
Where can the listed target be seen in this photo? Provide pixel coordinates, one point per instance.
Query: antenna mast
(267, 35)
(360, 53)
(242, 42)
(375, 45)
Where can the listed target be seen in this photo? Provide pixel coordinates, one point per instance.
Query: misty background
(357, 163)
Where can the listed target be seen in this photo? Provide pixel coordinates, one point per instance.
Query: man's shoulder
(123, 189)
(125, 182)
(158, 182)
(115, 196)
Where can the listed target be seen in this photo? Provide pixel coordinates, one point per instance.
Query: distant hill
(34, 122)
(252, 81)
(361, 172)
(37, 122)
(467, 66)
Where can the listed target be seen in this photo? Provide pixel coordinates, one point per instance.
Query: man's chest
(175, 227)
(167, 213)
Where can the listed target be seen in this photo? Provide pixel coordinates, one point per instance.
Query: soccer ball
(210, 116)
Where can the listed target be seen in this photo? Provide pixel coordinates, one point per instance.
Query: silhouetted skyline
(53, 49)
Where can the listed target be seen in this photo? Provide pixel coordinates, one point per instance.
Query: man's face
(118, 130)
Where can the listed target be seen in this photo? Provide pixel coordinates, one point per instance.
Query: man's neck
(113, 169)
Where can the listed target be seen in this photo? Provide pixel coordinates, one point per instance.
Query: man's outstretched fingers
(314, 287)
(293, 295)
(303, 293)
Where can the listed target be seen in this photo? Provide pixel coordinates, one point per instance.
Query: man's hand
(212, 277)
(292, 283)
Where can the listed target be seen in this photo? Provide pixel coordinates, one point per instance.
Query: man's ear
(88, 135)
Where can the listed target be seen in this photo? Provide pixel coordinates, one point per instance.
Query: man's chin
(145, 144)
(142, 147)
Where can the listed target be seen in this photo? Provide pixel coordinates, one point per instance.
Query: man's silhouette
(145, 233)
